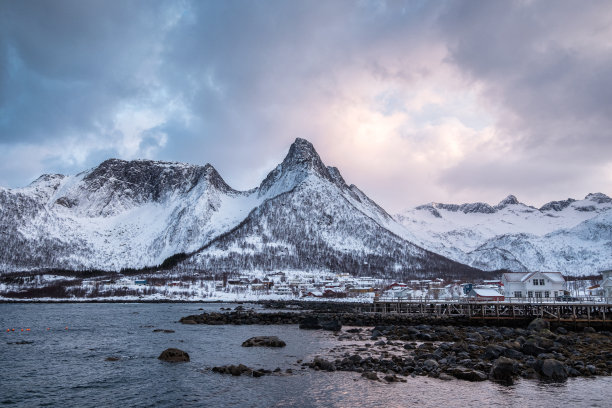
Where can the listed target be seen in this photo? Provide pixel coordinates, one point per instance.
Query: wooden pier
(551, 311)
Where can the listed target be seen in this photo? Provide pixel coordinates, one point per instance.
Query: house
(606, 283)
(533, 284)
(485, 295)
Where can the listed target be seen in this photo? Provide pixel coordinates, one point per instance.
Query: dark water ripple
(68, 368)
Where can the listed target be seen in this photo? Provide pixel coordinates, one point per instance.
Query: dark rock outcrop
(503, 370)
(174, 355)
(264, 341)
(554, 370)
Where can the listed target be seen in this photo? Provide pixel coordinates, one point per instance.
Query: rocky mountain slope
(571, 236)
(137, 214)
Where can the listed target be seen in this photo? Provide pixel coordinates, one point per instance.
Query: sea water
(61, 361)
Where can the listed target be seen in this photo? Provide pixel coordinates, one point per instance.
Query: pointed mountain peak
(301, 153)
(301, 161)
(510, 200)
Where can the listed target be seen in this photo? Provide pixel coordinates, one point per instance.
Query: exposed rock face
(174, 355)
(264, 341)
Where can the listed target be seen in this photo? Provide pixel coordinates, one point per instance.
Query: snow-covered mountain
(138, 213)
(571, 236)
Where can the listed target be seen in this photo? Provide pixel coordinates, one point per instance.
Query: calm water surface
(67, 367)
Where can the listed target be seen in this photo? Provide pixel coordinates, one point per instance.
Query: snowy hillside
(571, 236)
(137, 214)
(317, 222)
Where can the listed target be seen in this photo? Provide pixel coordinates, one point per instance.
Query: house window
(518, 294)
(530, 294)
(547, 294)
(536, 282)
(538, 294)
(556, 293)
(542, 283)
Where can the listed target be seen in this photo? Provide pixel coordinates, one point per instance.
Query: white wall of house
(538, 285)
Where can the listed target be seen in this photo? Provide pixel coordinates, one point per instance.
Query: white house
(533, 284)
(606, 283)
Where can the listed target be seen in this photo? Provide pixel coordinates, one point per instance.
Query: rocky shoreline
(391, 347)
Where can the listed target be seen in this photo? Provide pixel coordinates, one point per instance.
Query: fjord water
(66, 366)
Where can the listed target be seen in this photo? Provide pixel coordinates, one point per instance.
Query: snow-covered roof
(554, 276)
(486, 292)
(524, 276)
(515, 276)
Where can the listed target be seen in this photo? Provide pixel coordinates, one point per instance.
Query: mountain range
(303, 216)
(569, 236)
(137, 214)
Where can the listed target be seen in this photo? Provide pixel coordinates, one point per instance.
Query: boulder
(188, 321)
(310, 323)
(554, 370)
(264, 341)
(331, 324)
(503, 370)
(322, 364)
(538, 324)
(174, 355)
(370, 375)
(493, 351)
(463, 373)
(430, 365)
(238, 370)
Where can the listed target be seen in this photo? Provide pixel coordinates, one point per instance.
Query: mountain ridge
(135, 214)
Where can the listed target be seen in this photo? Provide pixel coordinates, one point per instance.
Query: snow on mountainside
(317, 222)
(571, 236)
(136, 214)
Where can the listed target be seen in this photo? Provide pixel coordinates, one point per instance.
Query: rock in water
(332, 325)
(173, 355)
(503, 370)
(553, 370)
(310, 323)
(264, 341)
(538, 325)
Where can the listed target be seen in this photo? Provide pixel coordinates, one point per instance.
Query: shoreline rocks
(400, 345)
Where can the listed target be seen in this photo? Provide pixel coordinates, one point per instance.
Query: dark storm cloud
(68, 63)
(546, 68)
(380, 82)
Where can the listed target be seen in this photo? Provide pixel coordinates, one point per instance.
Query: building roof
(486, 292)
(523, 276)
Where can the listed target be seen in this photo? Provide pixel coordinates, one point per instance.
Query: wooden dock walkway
(553, 311)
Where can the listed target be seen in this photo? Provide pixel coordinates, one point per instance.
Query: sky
(414, 101)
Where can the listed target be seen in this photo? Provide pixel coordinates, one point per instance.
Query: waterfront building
(533, 284)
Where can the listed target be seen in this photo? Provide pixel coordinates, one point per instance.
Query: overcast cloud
(413, 101)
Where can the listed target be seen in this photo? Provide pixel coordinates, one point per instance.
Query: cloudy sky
(414, 101)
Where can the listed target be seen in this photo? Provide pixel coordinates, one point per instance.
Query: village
(534, 287)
